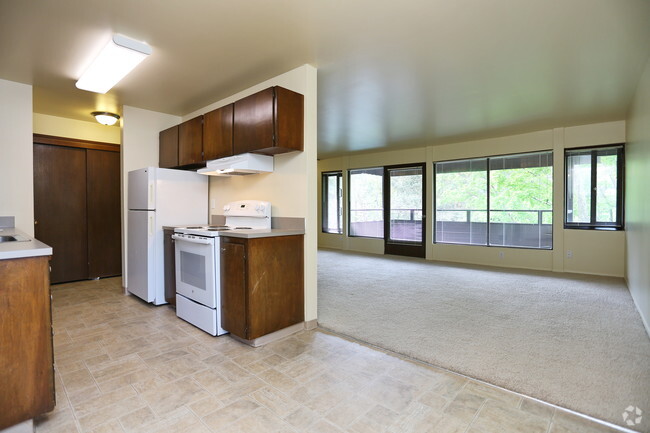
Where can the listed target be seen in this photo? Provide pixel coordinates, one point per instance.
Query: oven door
(196, 268)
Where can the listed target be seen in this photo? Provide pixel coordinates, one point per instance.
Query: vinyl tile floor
(126, 366)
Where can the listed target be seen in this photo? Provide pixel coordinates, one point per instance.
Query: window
(461, 202)
(332, 203)
(594, 188)
(521, 200)
(366, 202)
(498, 201)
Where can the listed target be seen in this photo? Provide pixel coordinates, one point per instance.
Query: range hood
(238, 165)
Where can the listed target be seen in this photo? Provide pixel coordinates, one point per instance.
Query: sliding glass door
(404, 219)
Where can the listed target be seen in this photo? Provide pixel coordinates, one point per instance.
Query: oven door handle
(193, 241)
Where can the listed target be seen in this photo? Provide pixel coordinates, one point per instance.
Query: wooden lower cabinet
(262, 284)
(26, 357)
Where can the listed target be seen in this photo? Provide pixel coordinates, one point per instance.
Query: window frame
(487, 171)
(593, 224)
(325, 203)
(349, 198)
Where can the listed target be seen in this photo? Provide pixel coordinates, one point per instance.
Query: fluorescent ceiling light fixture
(119, 57)
(105, 118)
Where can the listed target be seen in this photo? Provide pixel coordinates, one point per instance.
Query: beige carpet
(574, 341)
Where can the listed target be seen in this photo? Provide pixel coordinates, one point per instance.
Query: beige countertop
(261, 233)
(16, 250)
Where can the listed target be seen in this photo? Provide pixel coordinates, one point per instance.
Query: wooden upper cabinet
(269, 122)
(217, 133)
(190, 142)
(168, 151)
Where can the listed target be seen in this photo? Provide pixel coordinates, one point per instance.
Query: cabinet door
(190, 141)
(104, 213)
(217, 133)
(60, 218)
(233, 287)
(275, 269)
(168, 148)
(26, 362)
(253, 126)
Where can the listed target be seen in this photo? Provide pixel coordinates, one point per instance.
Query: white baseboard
(644, 320)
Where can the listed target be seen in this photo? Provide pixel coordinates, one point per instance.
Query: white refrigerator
(159, 197)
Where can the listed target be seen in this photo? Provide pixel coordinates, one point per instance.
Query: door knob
(35, 223)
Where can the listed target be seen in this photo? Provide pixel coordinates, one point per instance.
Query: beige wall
(594, 252)
(291, 188)
(140, 130)
(637, 216)
(71, 128)
(16, 154)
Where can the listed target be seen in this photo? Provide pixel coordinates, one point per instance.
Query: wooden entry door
(404, 218)
(60, 218)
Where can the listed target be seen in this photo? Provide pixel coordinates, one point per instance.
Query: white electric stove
(198, 265)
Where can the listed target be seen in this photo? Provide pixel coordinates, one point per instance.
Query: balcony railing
(508, 227)
(405, 223)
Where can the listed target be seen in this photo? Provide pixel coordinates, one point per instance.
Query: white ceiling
(399, 74)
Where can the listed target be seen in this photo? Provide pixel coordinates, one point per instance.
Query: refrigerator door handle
(150, 195)
(151, 225)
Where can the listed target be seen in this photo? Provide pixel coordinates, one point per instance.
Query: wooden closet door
(60, 209)
(104, 219)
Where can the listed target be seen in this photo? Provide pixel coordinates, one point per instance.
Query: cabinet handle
(223, 250)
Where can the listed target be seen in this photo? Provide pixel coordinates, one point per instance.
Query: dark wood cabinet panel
(169, 266)
(190, 142)
(253, 124)
(104, 216)
(26, 358)
(233, 288)
(168, 147)
(275, 265)
(262, 284)
(269, 122)
(217, 133)
(289, 121)
(60, 218)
